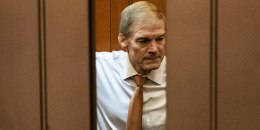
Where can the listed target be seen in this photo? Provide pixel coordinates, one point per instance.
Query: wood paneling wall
(239, 65)
(19, 65)
(188, 58)
(67, 65)
(213, 65)
(44, 65)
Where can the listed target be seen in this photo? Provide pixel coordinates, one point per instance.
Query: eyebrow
(147, 37)
(141, 38)
(163, 35)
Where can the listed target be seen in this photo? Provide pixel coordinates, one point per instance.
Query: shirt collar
(154, 75)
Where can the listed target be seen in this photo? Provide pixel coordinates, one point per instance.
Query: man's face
(146, 45)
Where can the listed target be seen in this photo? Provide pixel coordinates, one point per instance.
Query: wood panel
(67, 65)
(239, 71)
(19, 65)
(188, 68)
(102, 25)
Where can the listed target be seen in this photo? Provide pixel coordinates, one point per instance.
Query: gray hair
(138, 11)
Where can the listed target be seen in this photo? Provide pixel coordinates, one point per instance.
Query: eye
(143, 40)
(159, 39)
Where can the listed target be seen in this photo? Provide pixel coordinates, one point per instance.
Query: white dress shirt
(115, 87)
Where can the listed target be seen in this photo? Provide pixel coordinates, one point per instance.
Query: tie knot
(139, 80)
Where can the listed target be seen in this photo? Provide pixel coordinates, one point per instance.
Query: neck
(142, 72)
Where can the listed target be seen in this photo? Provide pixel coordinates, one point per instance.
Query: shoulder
(109, 64)
(100, 56)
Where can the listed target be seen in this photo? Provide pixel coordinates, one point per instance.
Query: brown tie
(135, 111)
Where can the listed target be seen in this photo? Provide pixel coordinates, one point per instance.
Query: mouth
(152, 59)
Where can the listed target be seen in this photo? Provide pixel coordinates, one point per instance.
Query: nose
(153, 47)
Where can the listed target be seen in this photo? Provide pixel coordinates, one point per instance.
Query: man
(142, 33)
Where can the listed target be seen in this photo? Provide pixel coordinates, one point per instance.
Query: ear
(122, 40)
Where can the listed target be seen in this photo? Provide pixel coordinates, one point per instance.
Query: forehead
(148, 28)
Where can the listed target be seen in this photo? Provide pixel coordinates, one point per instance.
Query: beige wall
(44, 66)
(19, 65)
(188, 30)
(239, 65)
(213, 64)
(67, 64)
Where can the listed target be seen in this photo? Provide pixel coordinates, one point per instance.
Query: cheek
(162, 49)
(135, 54)
(138, 56)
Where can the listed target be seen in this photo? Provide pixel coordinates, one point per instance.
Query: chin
(151, 67)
